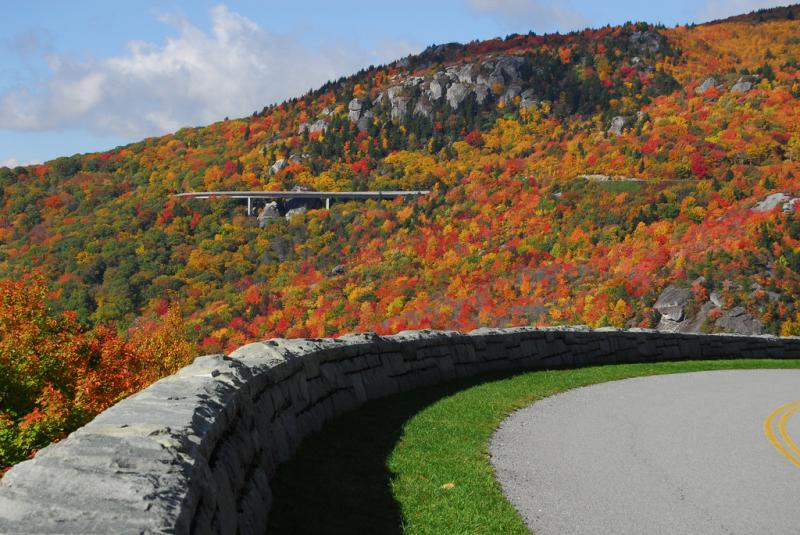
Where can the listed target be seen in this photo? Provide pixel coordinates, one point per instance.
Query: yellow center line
(770, 433)
(782, 429)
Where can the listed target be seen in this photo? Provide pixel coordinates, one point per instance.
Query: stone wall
(195, 451)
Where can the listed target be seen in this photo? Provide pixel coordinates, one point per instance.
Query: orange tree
(54, 375)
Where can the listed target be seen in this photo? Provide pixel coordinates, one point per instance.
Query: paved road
(672, 454)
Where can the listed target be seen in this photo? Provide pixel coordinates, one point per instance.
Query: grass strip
(418, 462)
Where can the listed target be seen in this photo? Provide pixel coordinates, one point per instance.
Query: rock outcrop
(772, 201)
(741, 86)
(270, 211)
(705, 85)
(278, 166)
(672, 305)
(737, 320)
(617, 124)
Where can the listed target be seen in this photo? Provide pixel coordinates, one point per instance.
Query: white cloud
(195, 77)
(13, 162)
(531, 14)
(720, 9)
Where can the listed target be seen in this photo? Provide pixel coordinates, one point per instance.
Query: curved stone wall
(195, 451)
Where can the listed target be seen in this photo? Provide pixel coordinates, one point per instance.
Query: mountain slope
(502, 130)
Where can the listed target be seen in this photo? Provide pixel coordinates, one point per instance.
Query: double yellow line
(787, 447)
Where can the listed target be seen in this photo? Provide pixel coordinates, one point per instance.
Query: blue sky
(90, 75)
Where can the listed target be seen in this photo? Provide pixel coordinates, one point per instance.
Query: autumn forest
(573, 177)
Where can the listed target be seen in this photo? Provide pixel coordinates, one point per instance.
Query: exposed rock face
(671, 302)
(770, 202)
(320, 125)
(510, 94)
(435, 89)
(527, 99)
(398, 101)
(270, 211)
(617, 124)
(461, 73)
(365, 120)
(354, 110)
(707, 84)
(456, 83)
(337, 270)
(646, 41)
(741, 86)
(423, 107)
(278, 166)
(456, 94)
(737, 320)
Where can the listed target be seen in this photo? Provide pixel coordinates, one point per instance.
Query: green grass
(380, 469)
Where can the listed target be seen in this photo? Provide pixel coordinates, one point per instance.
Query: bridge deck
(352, 195)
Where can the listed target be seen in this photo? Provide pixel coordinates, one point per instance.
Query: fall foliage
(131, 282)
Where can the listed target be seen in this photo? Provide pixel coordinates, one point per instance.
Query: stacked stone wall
(195, 452)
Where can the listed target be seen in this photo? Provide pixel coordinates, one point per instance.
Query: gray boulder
(354, 110)
(511, 92)
(423, 108)
(398, 101)
(456, 94)
(617, 124)
(737, 320)
(365, 121)
(741, 86)
(672, 301)
(706, 84)
(270, 211)
(646, 41)
(320, 125)
(481, 93)
(435, 89)
(278, 166)
(460, 73)
(770, 202)
(506, 69)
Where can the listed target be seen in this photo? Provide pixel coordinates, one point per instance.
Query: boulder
(320, 125)
(435, 89)
(511, 92)
(460, 73)
(737, 320)
(770, 202)
(423, 108)
(527, 99)
(506, 69)
(270, 211)
(705, 85)
(278, 166)
(790, 206)
(456, 94)
(646, 41)
(481, 93)
(337, 270)
(354, 109)
(741, 86)
(365, 121)
(672, 301)
(398, 101)
(617, 124)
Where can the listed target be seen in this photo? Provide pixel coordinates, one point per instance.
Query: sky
(90, 75)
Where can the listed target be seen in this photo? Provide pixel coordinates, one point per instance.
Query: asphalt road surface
(696, 453)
